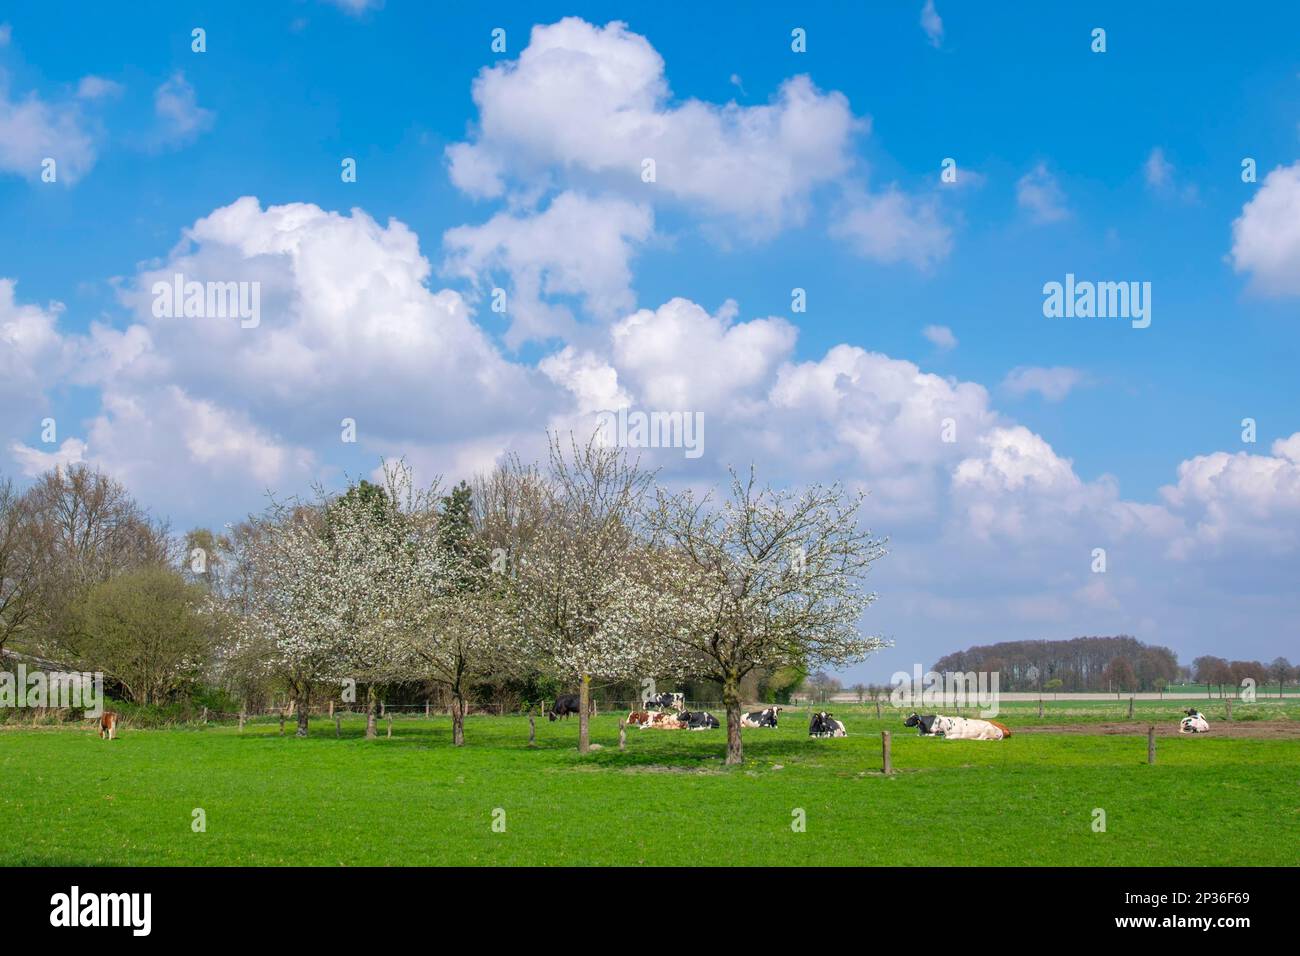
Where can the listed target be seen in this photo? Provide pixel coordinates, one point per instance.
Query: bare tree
(19, 565)
(767, 579)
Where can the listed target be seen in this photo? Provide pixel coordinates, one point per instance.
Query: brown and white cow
(108, 725)
(662, 721)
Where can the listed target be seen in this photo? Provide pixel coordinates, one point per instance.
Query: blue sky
(1115, 166)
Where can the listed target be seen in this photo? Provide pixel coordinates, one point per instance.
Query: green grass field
(70, 799)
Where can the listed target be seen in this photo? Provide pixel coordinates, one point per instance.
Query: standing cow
(108, 725)
(665, 700)
(564, 705)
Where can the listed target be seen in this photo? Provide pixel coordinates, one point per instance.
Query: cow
(966, 728)
(1193, 723)
(108, 725)
(824, 725)
(924, 724)
(662, 701)
(638, 718)
(760, 718)
(663, 721)
(698, 720)
(565, 705)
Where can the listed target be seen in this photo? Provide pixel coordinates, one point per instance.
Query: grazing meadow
(1071, 788)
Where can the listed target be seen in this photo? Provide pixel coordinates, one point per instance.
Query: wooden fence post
(1130, 708)
(281, 722)
(1228, 701)
(390, 725)
(242, 718)
(331, 708)
(427, 707)
(884, 752)
(622, 735)
(1151, 745)
(205, 715)
(877, 708)
(1040, 708)
(381, 709)
(532, 728)
(338, 725)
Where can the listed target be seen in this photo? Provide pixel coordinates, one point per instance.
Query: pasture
(1224, 799)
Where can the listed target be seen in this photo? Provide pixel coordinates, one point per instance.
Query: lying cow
(108, 725)
(565, 705)
(662, 721)
(824, 725)
(969, 728)
(760, 718)
(638, 718)
(665, 700)
(698, 720)
(1193, 723)
(923, 724)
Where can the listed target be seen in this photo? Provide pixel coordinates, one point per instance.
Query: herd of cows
(668, 711)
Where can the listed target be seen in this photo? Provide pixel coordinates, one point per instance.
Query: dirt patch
(1261, 729)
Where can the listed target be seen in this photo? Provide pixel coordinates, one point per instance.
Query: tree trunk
(584, 706)
(457, 718)
(731, 697)
(302, 703)
(372, 699)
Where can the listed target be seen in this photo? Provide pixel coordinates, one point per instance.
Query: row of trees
(580, 570)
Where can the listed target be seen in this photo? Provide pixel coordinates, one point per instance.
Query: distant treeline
(1121, 663)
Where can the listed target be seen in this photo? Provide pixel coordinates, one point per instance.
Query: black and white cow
(924, 724)
(565, 705)
(698, 720)
(1193, 723)
(824, 725)
(760, 718)
(665, 700)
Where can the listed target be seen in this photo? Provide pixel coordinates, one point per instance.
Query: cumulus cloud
(1052, 383)
(595, 100)
(1239, 498)
(940, 336)
(1266, 236)
(33, 129)
(98, 88)
(1041, 196)
(932, 24)
(893, 227)
(578, 246)
(181, 119)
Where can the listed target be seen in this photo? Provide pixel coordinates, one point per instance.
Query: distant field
(69, 798)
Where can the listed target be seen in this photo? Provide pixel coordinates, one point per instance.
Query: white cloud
(1040, 195)
(577, 246)
(590, 100)
(33, 461)
(181, 118)
(892, 227)
(1266, 236)
(932, 24)
(1239, 498)
(98, 88)
(32, 129)
(356, 8)
(1052, 383)
(1159, 172)
(940, 336)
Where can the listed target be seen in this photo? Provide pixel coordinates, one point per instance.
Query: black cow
(760, 718)
(565, 705)
(824, 725)
(660, 701)
(699, 720)
(925, 724)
